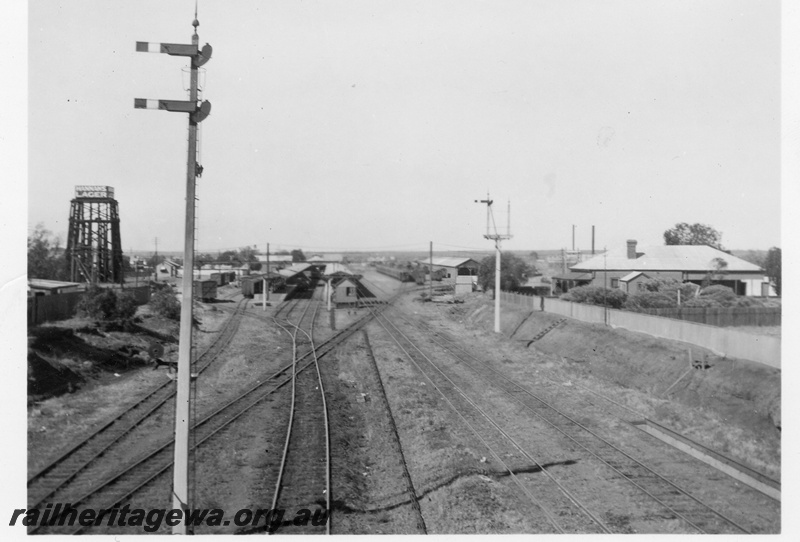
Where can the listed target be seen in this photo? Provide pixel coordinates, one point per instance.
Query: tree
(204, 258)
(247, 254)
(298, 256)
(693, 234)
(45, 258)
(772, 267)
(514, 272)
(229, 256)
(717, 268)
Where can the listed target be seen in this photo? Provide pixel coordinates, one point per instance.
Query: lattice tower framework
(94, 248)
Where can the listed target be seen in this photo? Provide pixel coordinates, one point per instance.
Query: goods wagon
(205, 289)
(403, 275)
(252, 285)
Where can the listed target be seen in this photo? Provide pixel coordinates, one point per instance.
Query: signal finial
(195, 23)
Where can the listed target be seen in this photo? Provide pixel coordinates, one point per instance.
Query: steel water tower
(94, 248)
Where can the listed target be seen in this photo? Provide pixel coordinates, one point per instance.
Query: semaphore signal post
(497, 237)
(197, 113)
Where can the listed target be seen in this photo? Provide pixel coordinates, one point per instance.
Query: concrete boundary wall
(726, 341)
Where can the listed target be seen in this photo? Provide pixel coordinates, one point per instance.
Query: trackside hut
(343, 287)
(345, 291)
(685, 263)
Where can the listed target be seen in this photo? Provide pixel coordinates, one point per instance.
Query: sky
(375, 125)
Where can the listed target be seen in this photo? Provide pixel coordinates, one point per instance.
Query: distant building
(326, 258)
(276, 261)
(618, 268)
(449, 268)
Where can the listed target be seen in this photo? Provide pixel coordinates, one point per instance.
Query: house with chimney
(628, 267)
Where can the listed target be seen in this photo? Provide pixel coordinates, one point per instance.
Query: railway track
(556, 509)
(120, 486)
(680, 503)
(56, 479)
(413, 497)
(303, 481)
(287, 305)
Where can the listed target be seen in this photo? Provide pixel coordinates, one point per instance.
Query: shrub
(98, 303)
(126, 306)
(700, 302)
(724, 296)
(651, 300)
(104, 304)
(716, 289)
(749, 302)
(661, 284)
(164, 303)
(596, 295)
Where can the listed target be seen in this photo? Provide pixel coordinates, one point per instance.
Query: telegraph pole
(497, 238)
(430, 286)
(266, 278)
(605, 286)
(197, 113)
(155, 261)
(267, 275)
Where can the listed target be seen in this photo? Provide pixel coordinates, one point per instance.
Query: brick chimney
(631, 249)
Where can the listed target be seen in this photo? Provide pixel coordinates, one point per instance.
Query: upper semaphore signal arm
(199, 57)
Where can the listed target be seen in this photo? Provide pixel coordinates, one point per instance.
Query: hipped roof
(690, 258)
